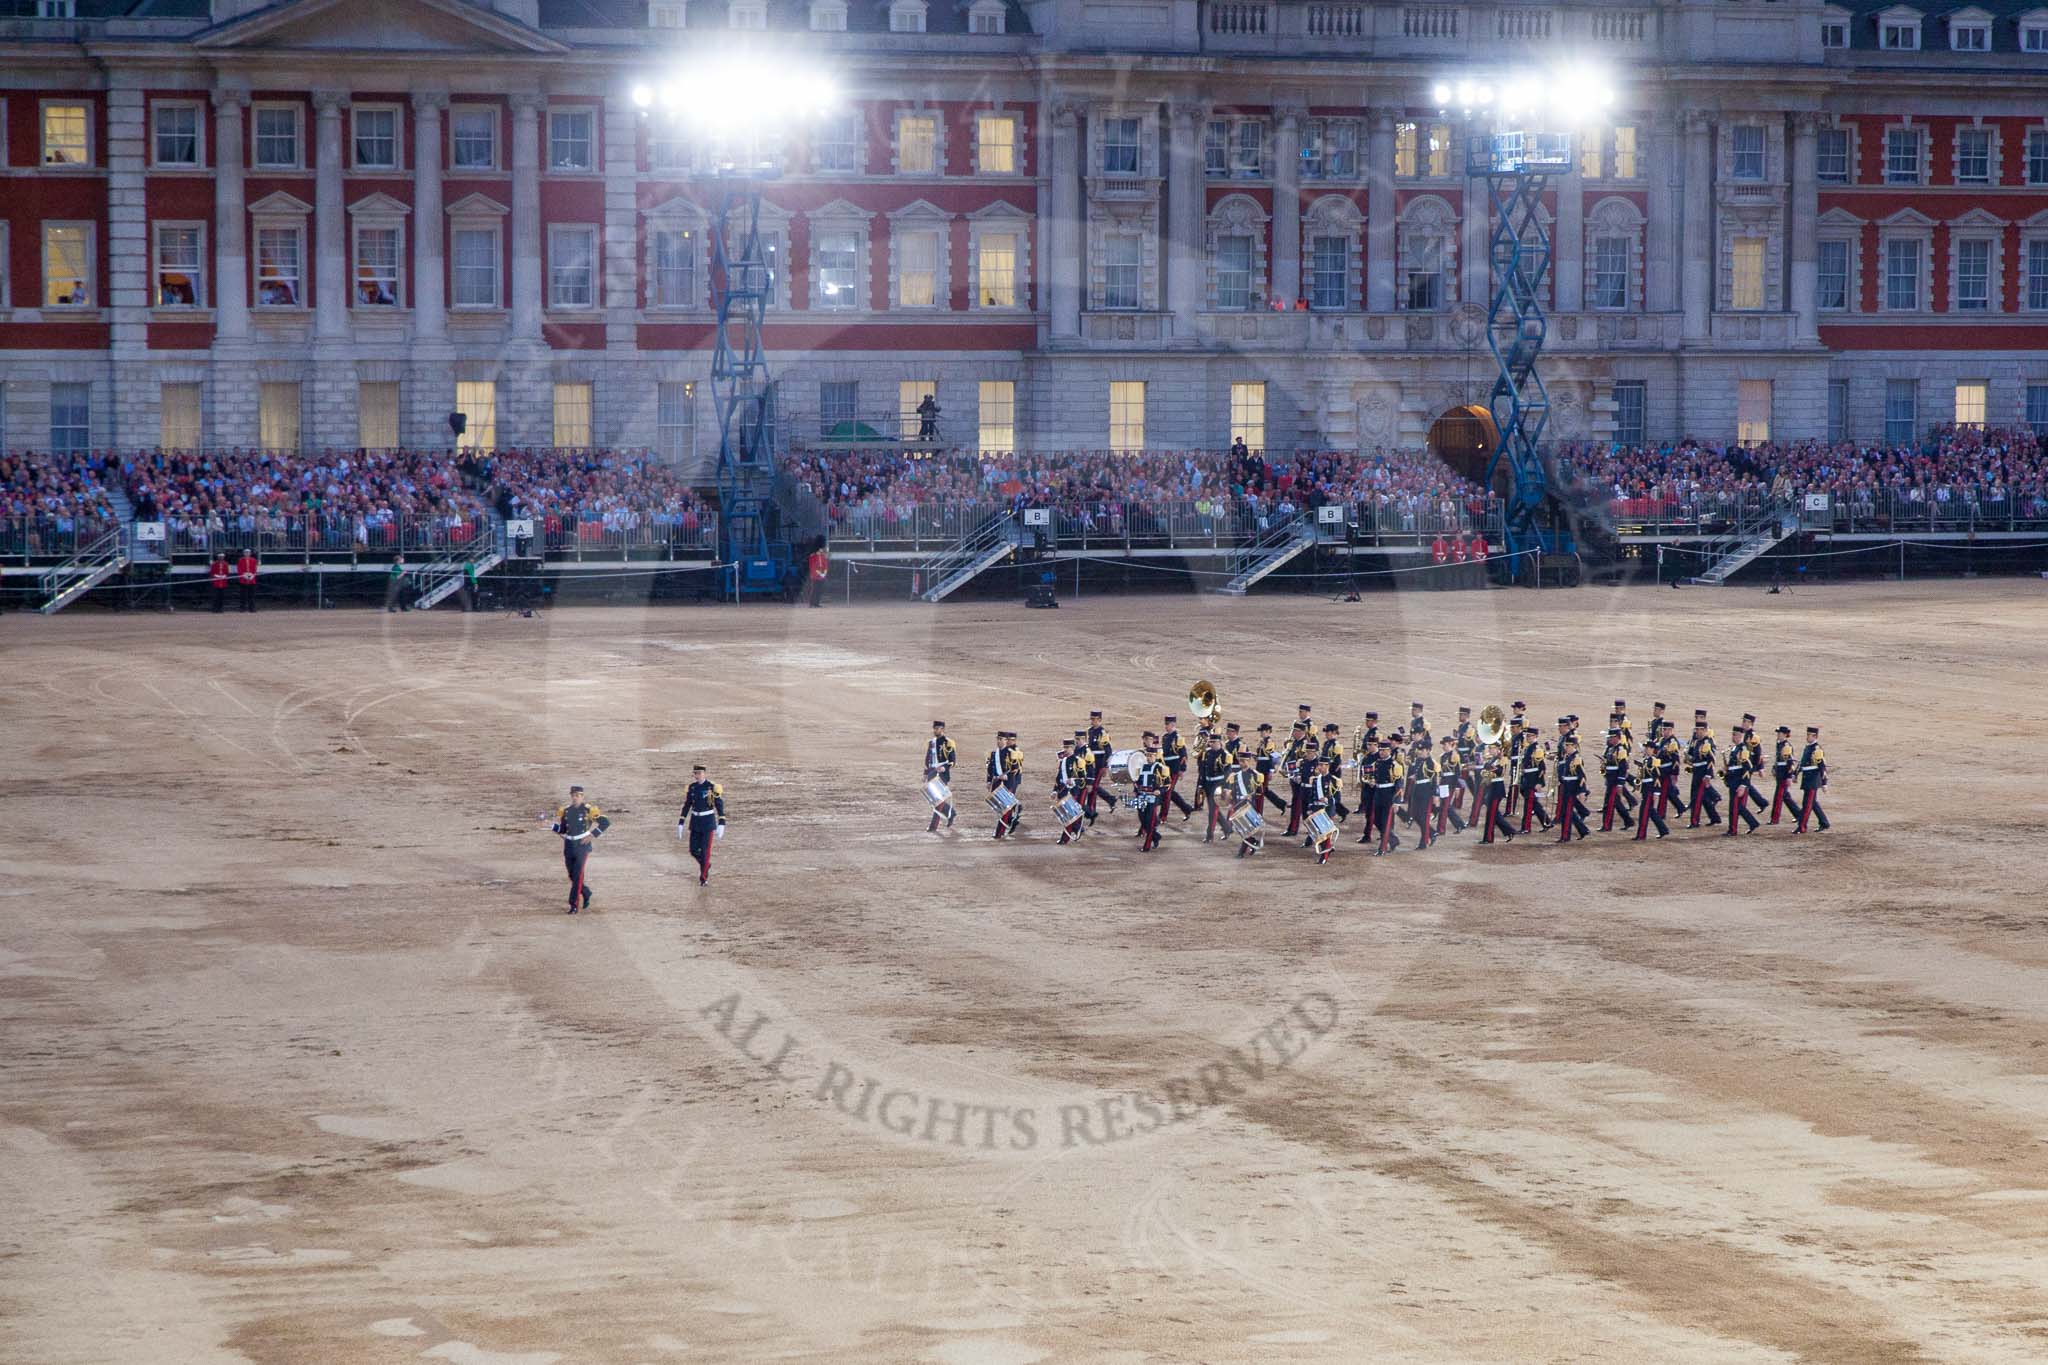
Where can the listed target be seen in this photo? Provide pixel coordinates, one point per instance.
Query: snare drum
(1321, 826)
(1246, 822)
(1002, 801)
(1066, 810)
(937, 792)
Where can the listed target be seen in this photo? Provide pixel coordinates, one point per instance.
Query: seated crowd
(1100, 489)
(61, 489)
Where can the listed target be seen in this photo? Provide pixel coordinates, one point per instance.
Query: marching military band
(1479, 774)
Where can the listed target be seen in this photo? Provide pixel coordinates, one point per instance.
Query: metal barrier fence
(24, 539)
(1174, 525)
(296, 536)
(595, 535)
(1965, 509)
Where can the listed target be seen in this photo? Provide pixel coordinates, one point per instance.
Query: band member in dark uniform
(1493, 776)
(1013, 776)
(1388, 773)
(1450, 781)
(1614, 766)
(1756, 758)
(1653, 786)
(1214, 774)
(1315, 796)
(1173, 751)
(1534, 759)
(939, 757)
(1784, 762)
(1333, 753)
(1518, 734)
(580, 826)
(1465, 786)
(1418, 728)
(1421, 788)
(1264, 758)
(1669, 755)
(1099, 749)
(1813, 775)
(1069, 780)
(1246, 784)
(1735, 771)
(1294, 764)
(702, 817)
(1571, 785)
(1699, 758)
(1153, 780)
(996, 774)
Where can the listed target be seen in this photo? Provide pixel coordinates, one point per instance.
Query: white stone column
(1697, 249)
(1186, 189)
(1805, 252)
(526, 284)
(130, 281)
(1380, 216)
(1061, 269)
(429, 263)
(230, 219)
(1660, 233)
(1568, 244)
(330, 219)
(1286, 263)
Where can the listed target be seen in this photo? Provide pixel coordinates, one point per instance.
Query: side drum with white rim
(1246, 822)
(1066, 810)
(1002, 801)
(1321, 826)
(937, 792)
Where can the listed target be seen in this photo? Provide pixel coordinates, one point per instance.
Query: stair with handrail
(439, 579)
(84, 571)
(1272, 549)
(982, 548)
(1753, 536)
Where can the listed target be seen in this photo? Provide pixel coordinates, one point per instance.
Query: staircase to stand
(1275, 547)
(84, 571)
(982, 548)
(440, 579)
(1752, 537)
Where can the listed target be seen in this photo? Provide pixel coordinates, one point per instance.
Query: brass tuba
(1493, 724)
(1204, 702)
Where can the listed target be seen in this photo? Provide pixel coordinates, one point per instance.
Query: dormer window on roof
(906, 16)
(988, 16)
(2034, 31)
(1834, 32)
(828, 16)
(1969, 30)
(1898, 30)
(667, 13)
(747, 14)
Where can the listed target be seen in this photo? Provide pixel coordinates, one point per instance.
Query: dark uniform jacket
(581, 822)
(703, 802)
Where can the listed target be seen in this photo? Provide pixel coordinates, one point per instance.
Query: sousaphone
(1493, 724)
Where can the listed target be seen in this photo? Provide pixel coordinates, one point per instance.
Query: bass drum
(1126, 766)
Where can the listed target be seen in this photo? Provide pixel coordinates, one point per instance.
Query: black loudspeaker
(1040, 593)
(458, 422)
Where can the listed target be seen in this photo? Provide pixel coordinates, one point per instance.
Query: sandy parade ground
(303, 1062)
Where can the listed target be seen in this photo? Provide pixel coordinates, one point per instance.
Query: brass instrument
(1205, 703)
(1493, 724)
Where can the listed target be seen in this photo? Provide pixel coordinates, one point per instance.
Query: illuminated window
(178, 427)
(1625, 166)
(377, 415)
(995, 144)
(67, 265)
(1127, 414)
(67, 139)
(278, 258)
(998, 415)
(676, 421)
(1248, 414)
(1753, 411)
(1746, 273)
(377, 253)
(1970, 402)
(910, 394)
(996, 270)
(917, 269)
(277, 416)
(917, 144)
(572, 415)
(477, 401)
(180, 263)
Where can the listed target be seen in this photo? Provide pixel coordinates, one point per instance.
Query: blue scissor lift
(750, 535)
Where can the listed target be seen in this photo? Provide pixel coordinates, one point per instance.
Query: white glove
(718, 833)
(682, 830)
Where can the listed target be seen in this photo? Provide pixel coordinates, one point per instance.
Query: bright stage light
(750, 92)
(642, 97)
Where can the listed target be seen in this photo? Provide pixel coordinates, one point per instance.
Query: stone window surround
(473, 212)
(2027, 140)
(1850, 168)
(922, 216)
(547, 277)
(547, 139)
(1774, 150)
(158, 106)
(2035, 20)
(828, 10)
(1360, 141)
(280, 210)
(1968, 20)
(774, 228)
(1454, 157)
(1429, 216)
(1992, 163)
(840, 216)
(1333, 215)
(1147, 116)
(91, 136)
(1838, 225)
(399, 163)
(1733, 225)
(918, 109)
(1905, 225)
(1926, 152)
(1231, 124)
(1978, 226)
(1901, 16)
(676, 215)
(1139, 218)
(913, 13)
(199, 294)
(988, 9)
(377, 211)
(813, 141)
(298, 112)
(1236, 215)
(2034, 229)
(497, 166)
(994, 218)
(997, 110)
(1615, 216)
(1608, 173)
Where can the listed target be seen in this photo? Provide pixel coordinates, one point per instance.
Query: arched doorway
(1465, 438)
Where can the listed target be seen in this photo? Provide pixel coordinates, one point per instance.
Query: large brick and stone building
(1082, 223)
